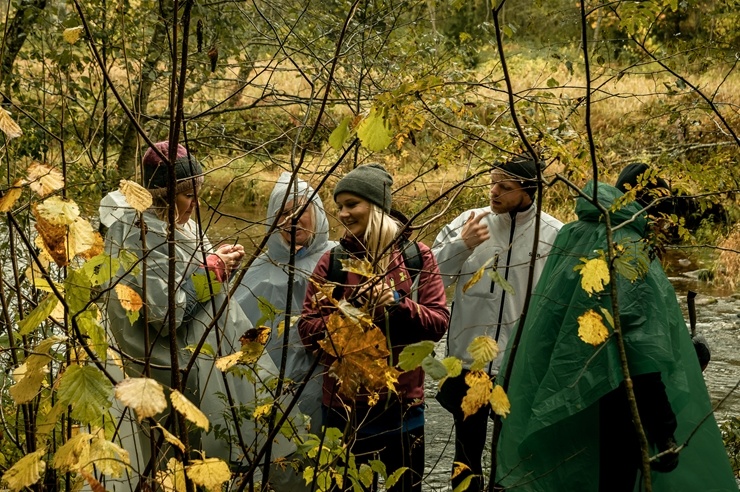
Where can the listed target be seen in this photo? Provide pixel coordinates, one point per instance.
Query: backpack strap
(335, 273)
(413, 262)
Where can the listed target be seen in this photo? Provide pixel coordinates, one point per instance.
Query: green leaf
(551, 82)
(90, 326)
(127, 260)
(463, 486)
(87, 390)
(393, 478)
(267, 311)
(608, 316)
(100, 269)
(77, 288)
(433, 368)
(453, 366)
(378, 467)
(632, 261)
(366, 475)
(413, 355)
(39, 314)
(201, 283)
(374, 132)
(340, 134)
(26, 471)
(132, 316)
(499, 279)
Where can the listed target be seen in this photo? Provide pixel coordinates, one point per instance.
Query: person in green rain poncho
(570, 426)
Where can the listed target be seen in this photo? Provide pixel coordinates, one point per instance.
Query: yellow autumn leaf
(262, 411)
(594, 275)
(81, 237)
(374, 131)
(458, 467)
(499, 401)
(479, 392)
(188, 410)
(58, 211)
(226, 362)
(483, 349)
(476, 276)
(210, 473)
(453, 366)
(44, 179)
(32, 373)
(170, 437)
(136, 195)
(26, 471)
(106, 457)
(11, 196)
(591, 328)
(172, 480)
(9, 127)
(360, 266)
(73, 454)
(73, 34)
(144, 395)
(130, 300)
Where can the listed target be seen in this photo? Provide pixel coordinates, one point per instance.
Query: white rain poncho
(267, 278)
(205, 386)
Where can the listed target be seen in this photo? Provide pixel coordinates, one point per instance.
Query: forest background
(435, 90)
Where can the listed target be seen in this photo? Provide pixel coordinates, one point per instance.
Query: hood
(608, 195)
(277, 248)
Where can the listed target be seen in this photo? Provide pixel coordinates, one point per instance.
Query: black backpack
(410, 253)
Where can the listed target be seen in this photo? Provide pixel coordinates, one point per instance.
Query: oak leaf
(44, 179)
(144, 395)
(26, 471)
(591, 328)
(210, 473)
(188, 410)
(11, 196)
(479, 392)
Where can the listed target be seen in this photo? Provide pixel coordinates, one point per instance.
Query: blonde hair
(380, 232)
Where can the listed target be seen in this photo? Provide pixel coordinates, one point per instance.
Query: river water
(718, 320)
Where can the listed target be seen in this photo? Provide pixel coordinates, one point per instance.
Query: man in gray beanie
(499, 238)
(369, 181)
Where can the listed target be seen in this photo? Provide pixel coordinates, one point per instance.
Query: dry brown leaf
(9, 127)
(82, 238)
(11, 196)
(136, 195)
(54, 238)
(44, 179)
(130, 300)
(94, 484)
(188, 410)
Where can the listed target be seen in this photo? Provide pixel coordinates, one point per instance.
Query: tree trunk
(23, 22)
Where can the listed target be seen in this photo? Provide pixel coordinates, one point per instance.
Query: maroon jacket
(409, 321)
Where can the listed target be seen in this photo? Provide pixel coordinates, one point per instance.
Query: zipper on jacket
(506, 277)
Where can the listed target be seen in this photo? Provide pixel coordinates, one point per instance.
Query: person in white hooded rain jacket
(267, 280)
(143, 341)
(499, 237)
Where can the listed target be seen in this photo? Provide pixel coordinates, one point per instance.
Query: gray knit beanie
(369, 181)
(523, 168)
(156, 174)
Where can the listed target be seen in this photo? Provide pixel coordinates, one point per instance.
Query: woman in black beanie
(408, 306)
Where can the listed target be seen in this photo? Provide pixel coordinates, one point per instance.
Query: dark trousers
(394, 449)
(470, 439)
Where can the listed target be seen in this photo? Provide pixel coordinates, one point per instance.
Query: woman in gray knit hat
(407, 303)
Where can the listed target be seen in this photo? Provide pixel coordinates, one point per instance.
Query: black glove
(669, 461)
(702, 350)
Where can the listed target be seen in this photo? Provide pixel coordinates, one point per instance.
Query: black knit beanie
(523, 168)
(369, 181)
(156, 174)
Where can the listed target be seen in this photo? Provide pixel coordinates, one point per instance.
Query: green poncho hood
(549, 441)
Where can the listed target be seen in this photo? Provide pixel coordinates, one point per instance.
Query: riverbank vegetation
(436, 91)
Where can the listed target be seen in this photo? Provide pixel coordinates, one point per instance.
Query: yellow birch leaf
(172, 480)
(58, 211)
(81, 237)
(144, 395)
(130, 300)
(262, 410)
(499, 401)
(136, 195)
(44, 179)
(479, 392)
(360, 266)
(226, 362)
(210, 473)
(591, 328)
(483, 349)
(26, 471)
(107, 457)
(69, 456)
(73, 34)
(170, 437)
(11, 196)
(476, 276)
(453, 366)
(9, 127)
(594, 275)
(281, 325)
(188, 410)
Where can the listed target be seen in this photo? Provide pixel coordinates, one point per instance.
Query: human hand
(668, 461)
(231, 255)
(474, 232)
(378, 295)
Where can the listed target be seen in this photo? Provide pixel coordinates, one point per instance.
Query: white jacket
(485, 308)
